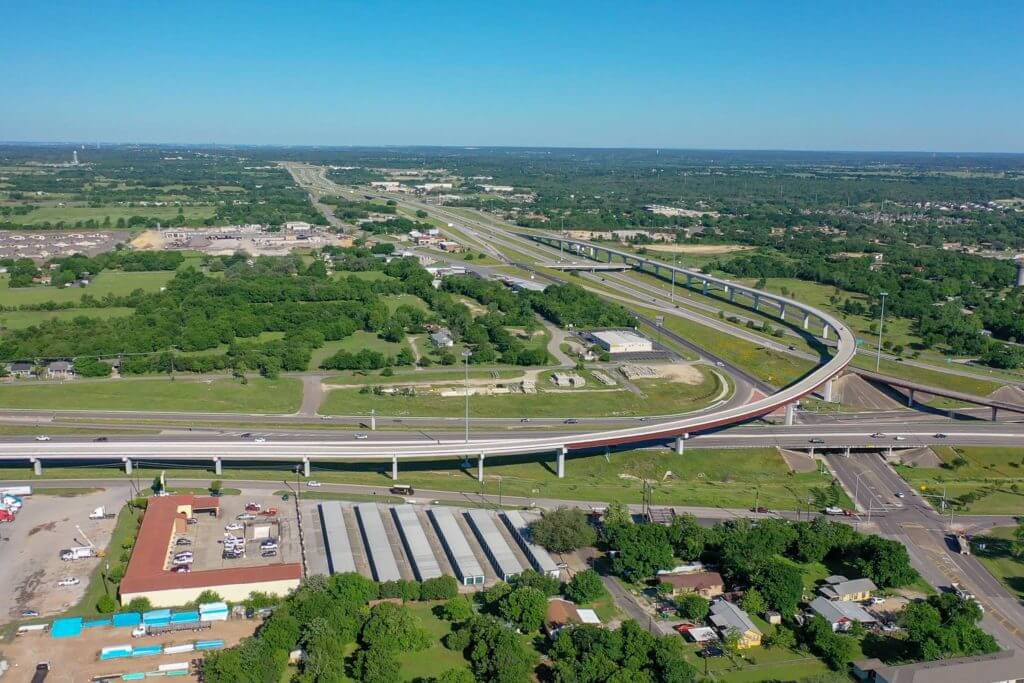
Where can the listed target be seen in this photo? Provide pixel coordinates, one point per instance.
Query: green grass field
(431, 374)
(187, 395)
(436, 659)
(355, 342)
(361, 274)
(72, 214)
(993, 477)
(395, 300)
(107, 282)
(18, 320)
(660, 397)
(998, 558)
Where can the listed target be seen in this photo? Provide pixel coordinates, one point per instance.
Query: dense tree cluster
(588, 654)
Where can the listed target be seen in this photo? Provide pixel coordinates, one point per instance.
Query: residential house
(1004, 666)
(841, 614)
(842, 588)
(729, 618)
(21, 370)
(562, 613)
(705, 584)
(60, 369)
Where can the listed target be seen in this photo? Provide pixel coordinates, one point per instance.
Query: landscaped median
(184, 394)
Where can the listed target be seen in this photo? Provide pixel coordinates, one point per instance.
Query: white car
(259, 439)
(42, 437)
(246, 516)
(899, 438)
(69, 581)
(361, 435)
(313, 484)
(877, 600)
(178, 561)
(233, 526)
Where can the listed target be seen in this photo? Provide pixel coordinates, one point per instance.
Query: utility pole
(881, 324)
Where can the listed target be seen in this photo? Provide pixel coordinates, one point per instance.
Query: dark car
(760, 509)
(183, 541)
(101, 439)
(816, 441)
(571, 421)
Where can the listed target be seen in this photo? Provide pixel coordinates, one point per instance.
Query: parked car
(192, 520)
(253, 507)
(245, 516)
(183, 541)
(313, 484)
(181, 569)
(233, 526)
(68, 581)
(877, 600)
(29, 613)
(269, 553)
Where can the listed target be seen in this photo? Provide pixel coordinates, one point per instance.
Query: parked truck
(151, 630)
(42, 671)
(101, 513)
(77, 553)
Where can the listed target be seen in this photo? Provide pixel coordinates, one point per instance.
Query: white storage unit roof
(538, 556)
(416, 544)
(456, 546)
(494, 544)
(339, 549)
(382, 558)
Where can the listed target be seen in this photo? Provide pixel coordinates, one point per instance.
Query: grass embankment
(259, 395)
(701, 477)
(659, 397)
(981, 480)
(997, 556)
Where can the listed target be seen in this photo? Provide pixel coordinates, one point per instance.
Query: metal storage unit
(456, 547)
(382, 558)
(339, 549)
(494, 544)
(538, 556)
(416, 544)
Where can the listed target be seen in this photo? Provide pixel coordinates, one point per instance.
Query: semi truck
(77, 553)
(152, 630)
(101, 513)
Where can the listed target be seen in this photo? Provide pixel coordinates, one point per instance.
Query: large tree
(563, 530)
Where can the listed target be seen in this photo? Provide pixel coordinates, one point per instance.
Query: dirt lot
(685, 374)
(77, 659)
(31, 546)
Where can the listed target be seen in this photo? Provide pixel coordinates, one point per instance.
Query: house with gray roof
(728, 617)
(1002, 667)
(842, 588)
(841, 614)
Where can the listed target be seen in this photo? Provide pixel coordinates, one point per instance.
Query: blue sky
(935, 76)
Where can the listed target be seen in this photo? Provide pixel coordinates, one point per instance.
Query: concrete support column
(394, 468)
(757, 301)
(218, 466)
(705, 290)
(127, 465)
(829, 385)
(782, 310)
(910, 398)
(732, 294)
(37, 467)
(790, 414)
(824, 331)
(680, 445)
(689, 280)
(995, 413)
(373, 422)
(889, 456)
(561, 462)
(305, 467)
(480, 469)
(846, 452)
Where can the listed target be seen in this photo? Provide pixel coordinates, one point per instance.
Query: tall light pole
(466, 353)
(881, 324)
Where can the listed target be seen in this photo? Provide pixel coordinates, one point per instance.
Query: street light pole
(466, 354)
(881, 325)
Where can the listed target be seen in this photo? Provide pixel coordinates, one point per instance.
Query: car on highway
(941, 435)
(720, 364)
(877, 435)
(246, 435)
(101, 439)
(233, 526)
(259, 439)
(791, 348)
(524, 419)
(42, 437)
(760, 509)
(361, 435)
(313, 484)
(571, 421)
(899, 438)
(900, 494)
(816, 440)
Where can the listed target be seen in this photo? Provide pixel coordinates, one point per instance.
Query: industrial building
(498, 552)
(456, 546)
(149, 576)
(381, 554)
(538, 556)
(622, 341)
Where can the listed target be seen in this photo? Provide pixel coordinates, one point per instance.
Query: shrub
(106, 605)
(441, 588)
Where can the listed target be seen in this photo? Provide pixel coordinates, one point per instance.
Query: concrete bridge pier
(218, 467)
(394, 468)
(824, 331)
(560, 455)
(995, 413)
(480, 469)
(782, 310)
(807, 320)
(757, 301)
(829, 385)
(681, 443)
(910, 398)
(732, 294)
(37, 466)
(790, 414)
(305, 467)
(127, 465)
(705, 289)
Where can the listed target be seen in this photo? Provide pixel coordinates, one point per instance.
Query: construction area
(417, 542)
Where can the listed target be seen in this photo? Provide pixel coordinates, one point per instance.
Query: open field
(432, 374)
(997, 556)
(72, 214)
(108, 282)
(436, 659)
(259, 395)
(355, 342)
(660, 397)
(395, 300)
(362, 274)
(17, 320)
(991, 478)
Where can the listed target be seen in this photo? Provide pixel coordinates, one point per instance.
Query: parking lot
(31, 547)
(51, 244)
(207, 537)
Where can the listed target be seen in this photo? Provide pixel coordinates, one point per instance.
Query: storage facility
(381, 554)
(538, 556)
(417, 547)
(622, 341)
(339, 548)
(461, 556)
(494, 544)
